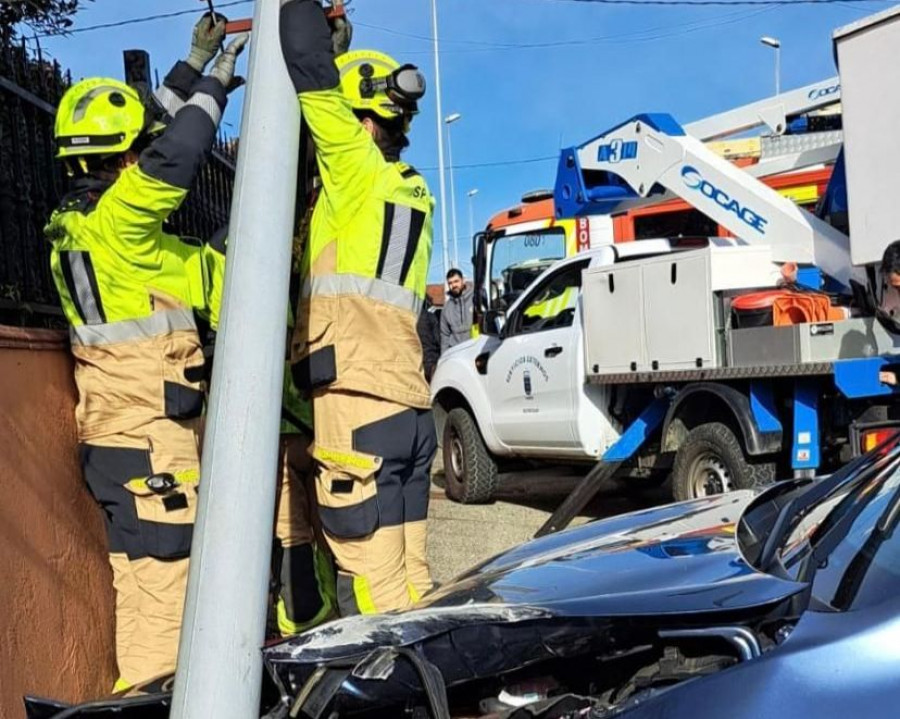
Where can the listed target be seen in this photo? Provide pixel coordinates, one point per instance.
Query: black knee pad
(299, 583)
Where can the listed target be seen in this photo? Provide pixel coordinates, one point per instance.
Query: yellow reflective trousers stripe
(363, 595)
(120, 686)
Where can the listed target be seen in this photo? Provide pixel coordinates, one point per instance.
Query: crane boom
(773, 112)
(653, 153)
(781, 152)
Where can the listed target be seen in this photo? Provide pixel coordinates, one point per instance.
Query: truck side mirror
(493, 322)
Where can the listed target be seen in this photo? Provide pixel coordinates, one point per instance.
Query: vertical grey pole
(452, 196)
(778, 69)
(471, 193)
(440, 137)
(219, 660)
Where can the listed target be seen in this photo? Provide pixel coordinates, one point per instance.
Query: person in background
(456, 317)
(890, 280)
(429, 330)
(889, 303)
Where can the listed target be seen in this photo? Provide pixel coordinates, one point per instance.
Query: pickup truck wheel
(469, 469)
(711, 461)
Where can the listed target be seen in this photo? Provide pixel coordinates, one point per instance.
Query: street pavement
(460, 536)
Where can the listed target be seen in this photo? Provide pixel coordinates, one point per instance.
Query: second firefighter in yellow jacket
(131, 293)
(355, 347)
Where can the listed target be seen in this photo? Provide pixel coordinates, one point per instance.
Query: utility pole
(449, 120)
(219, 660)
(470, 194)
(775, 44)
(440, 136)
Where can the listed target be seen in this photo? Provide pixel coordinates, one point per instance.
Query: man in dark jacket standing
(429, 331)
(456, 317)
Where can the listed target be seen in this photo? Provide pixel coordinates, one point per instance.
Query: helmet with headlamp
(375, 82)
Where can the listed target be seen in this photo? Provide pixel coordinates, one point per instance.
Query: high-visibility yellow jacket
(552, 305)
(129, 289)
(365, 266)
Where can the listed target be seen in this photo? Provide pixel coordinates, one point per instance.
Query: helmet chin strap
(79, 166)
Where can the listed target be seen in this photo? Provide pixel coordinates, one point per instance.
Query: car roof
(645, 248)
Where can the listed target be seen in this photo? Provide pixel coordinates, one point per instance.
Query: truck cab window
(552, 305)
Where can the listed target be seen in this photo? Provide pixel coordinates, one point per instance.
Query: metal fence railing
(32, 183)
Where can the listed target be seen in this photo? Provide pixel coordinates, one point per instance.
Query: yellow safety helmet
(100, 116)
(373, 81)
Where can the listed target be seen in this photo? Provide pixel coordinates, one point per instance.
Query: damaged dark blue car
(777, 604)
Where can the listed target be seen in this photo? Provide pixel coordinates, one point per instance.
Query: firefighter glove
(341, 34)
(206, 40)
(223, 68)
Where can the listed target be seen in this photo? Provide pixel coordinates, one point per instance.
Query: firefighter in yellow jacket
(130, 292)
(355, 346)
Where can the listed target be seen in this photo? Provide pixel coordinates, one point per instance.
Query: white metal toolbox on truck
(669, 303)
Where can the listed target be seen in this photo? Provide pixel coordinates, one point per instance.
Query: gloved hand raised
(206, 40)
(308, 45)
(223, 68)
(341, 29)
(341, 34)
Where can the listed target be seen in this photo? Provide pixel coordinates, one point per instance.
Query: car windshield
(846, 541)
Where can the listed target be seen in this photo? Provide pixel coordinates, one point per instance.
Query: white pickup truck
(522, 394)
(627, 354)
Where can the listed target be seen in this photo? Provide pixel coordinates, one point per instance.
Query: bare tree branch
(49, 16)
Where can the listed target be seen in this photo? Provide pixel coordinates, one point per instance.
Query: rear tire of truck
(711, 461)
(469, 469)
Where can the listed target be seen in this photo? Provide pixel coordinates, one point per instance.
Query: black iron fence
(32, 183)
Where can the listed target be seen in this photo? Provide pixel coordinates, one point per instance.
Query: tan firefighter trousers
(372, 482)
(150, 534)
(145, 481)
(302, 566)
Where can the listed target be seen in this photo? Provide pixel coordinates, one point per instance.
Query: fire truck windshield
(516, 260)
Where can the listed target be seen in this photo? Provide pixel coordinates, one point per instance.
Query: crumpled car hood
(673, 560)
(356, 636)
(590, 590)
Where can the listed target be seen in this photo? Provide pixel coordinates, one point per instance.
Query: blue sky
(528, 76)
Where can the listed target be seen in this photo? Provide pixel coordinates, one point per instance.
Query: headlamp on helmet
(374, 82)
(405, 86)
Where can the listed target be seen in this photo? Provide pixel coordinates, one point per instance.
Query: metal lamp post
(219, 661)
(440, 137)
(449, 120)
(470, 194)
(775, 44)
